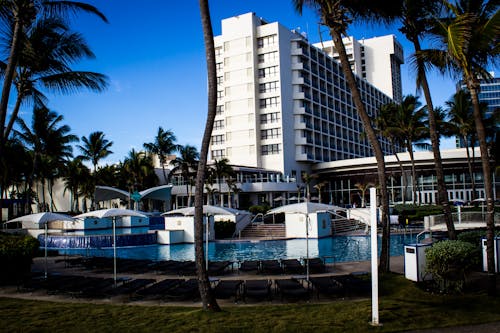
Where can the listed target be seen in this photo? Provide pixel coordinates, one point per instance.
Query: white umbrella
(305, 208)
(113, 213)
(482, 201)
(43, 218)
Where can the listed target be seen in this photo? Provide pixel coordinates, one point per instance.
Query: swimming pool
(333, 249)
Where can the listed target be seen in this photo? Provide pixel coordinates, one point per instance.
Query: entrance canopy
(105, 193)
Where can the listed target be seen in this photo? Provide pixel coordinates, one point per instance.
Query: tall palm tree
(337, 15)
(385, 124)
(462, 120)
(163, 145)
(19, 15)
(138, 170)
(410, 127)
(49, 48)
(468, 45)
(95, 148)
(415, 18)
(49, 142)
(186, 163)
(74, 177)
(222, 170)
(207, 296)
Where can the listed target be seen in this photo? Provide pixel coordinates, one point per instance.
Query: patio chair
(328, 286)
(216, 268)
(257, 289)
(188, 289)
(228, 288)
(291, 289)
(292, 266)
(316, 265)
(249, 266)
(271, 267)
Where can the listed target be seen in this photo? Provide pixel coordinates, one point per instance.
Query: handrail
(421, 233)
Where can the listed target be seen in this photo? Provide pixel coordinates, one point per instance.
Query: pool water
(333, 249)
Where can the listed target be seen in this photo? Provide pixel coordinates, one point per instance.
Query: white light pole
(113, 219)
(46, 234)
(307, 247)
(374, 253)
(207, 221)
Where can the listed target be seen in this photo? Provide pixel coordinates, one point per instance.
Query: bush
(473, 237)
(259, 209)
(16, 255)
(416, 212)
(448, 261)
(224, 229)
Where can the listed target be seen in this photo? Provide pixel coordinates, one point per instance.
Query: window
(271, 133)
(270, 149)
(268, 87)
(218, 66)
(269, 118)
(268, 71)
(266, 41)
(219, 110)
(220, 94)
(218, 124)
(267, 57)
(268, 102)
(218, 139)
(219, 153)
(220, 80)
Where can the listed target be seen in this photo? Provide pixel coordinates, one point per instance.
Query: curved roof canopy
(103, 193)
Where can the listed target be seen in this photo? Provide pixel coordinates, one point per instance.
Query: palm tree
(337, 15)
(49, 143)
(50, 48)
(363, 187)
(19, 15)
(74, 177)
(385, 124)
(138, 169)
(222, 170)
(95, 148)
(163, 145)
(469, 44)
(410, 128)
(462, 121)
(319, 186)
(415, 18)
(207, 296)
(186, 163)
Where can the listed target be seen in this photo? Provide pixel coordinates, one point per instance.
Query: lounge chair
(228, 288)
(316, 265)
(354, 286)
(257, 289)
(249, 266)
(271, 267)
(184, 291)
(216, 268)
(292, 266)
(129, 287)
(291, 289)
(328, 286)
(157, 289)
(186, 268)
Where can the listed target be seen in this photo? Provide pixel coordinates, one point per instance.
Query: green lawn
(403, 306)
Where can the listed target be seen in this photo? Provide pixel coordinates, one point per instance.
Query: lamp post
(307, 247)
(374, 253)
(113, 219)
(45, 250)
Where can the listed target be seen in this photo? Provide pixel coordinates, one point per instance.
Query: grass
(403, 306)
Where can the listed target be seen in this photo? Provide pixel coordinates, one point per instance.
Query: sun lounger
(291, 289)
(316, 265)
(257, 289)
(328, 286)
(228, 288)
(186, 268)
(184, 291)
(96, 290)
(129, 287)
(271, 267)
(355, 286)
(157, 289)
(216, 268)
(249, 266)
(292, 266)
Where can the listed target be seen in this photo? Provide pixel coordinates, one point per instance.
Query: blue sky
(153, 53)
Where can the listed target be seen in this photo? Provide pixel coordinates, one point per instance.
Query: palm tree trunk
(473, 87)
(471, 170)
(207, 296)
(413, 172)
(8, 78)
(442, 191)
(403, 177)
(13, 117)
(384, 264)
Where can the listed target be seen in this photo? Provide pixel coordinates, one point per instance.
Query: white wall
(319, 225)
(186, 223)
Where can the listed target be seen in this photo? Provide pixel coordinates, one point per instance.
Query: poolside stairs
(261, 230)
(344, 226)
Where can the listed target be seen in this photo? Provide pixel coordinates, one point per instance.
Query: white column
(374, 254)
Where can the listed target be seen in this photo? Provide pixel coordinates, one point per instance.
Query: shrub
(224, 229)
(259, 209)
(472, 236)
(16, 254)
(448, 261)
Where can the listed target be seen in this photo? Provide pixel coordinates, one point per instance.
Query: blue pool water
(333, 249)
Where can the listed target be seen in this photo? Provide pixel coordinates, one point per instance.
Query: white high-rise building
(375, 60)
(283, 103)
